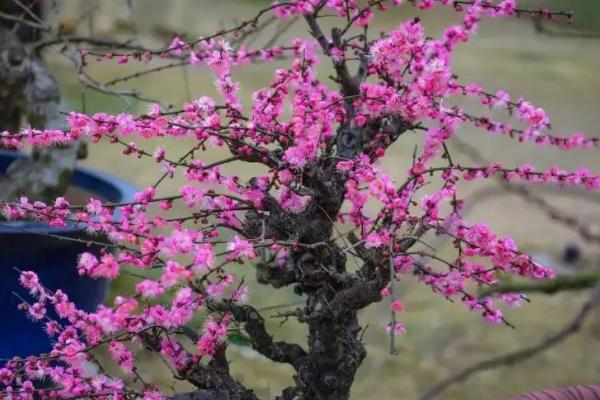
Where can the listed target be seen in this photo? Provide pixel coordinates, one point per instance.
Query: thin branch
(520, 355)
(23, 21)
(541, 28)
(100, 42)
(554, 213)
(145, 72)
(559, 284)
(28, 11)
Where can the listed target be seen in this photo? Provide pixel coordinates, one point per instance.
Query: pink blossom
(149, 288)
(119, 352)
(374, 240)
(398, 329)
(397, 306)
(514, 300)
(204, 258)
(177, 45)
(240, 248)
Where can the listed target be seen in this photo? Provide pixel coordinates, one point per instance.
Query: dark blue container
(25, 246)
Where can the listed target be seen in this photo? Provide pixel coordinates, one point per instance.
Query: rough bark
(30, 93)
(318, 270)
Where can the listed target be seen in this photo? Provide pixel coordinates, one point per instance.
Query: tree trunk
(29, 91)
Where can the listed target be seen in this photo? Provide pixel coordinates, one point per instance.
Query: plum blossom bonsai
(320, 148)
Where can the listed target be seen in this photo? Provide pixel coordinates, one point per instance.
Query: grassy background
(559, 74)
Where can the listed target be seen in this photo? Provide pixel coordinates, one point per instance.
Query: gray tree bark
(29, 92)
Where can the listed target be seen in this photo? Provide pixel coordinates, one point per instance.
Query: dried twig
(520, 355)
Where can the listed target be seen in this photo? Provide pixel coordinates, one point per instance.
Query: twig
(23, 21)
(541, 28)
(554, 213)
(559, 284)
(392, 327)
(520, 355)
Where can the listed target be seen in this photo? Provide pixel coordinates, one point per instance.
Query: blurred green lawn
(558, 74)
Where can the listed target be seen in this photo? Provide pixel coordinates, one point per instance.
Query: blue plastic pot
(26, 246)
